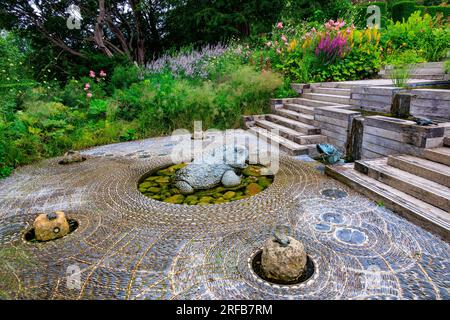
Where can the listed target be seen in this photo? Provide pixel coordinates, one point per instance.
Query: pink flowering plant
(94, 83)
(331, 43)
(310, 52)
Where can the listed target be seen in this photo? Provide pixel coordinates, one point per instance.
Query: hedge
(435, 10)
(402, 10)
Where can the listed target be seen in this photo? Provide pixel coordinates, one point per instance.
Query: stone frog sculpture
(220, 165)
(329, 153)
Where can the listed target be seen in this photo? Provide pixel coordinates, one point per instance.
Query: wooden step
(305, 118)
(313, 103)
(341, 85)
(283, 131)
(291, 134)
(327, 98)
(299, 108)
(419, 212)
(420, 188)
(285, 145)
(427, 169)
(441, 155)
(447, 142)
(334, 91)
(311, 139)
(293, 124)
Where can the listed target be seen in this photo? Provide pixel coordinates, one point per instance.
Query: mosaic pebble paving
(130, 247)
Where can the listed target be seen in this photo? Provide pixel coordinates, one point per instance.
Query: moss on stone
(176, 199)
(228, 195)
(252, 189)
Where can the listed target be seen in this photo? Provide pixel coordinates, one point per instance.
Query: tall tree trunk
(140, 50)
(98, 30)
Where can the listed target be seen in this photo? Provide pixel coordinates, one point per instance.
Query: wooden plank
(373, 98)
(337, 113)
(399, 147)
(335, 122)
(416, 211)
(334, 135)
(372, 105)
(367, 154)
(418, 187)
(427, 169)
(333, 128)
(379, 149)
(441, 155)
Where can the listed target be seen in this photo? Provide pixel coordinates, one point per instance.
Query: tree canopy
(136, 29)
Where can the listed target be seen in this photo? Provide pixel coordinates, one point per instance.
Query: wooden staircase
(415, 187)
(292, 124)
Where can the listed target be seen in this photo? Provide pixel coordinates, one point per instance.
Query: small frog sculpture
(281, 238)
(329, 153)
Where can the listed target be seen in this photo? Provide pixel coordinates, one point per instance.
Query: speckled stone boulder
(230, 179)
(72, 157)
(50, 226)
(283, 263)
(220, 165)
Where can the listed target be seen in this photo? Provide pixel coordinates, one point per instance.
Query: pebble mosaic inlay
(128, 246)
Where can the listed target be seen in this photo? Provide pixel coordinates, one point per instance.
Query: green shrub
(436, 10)
(403, 10)
(73, 95)
(97, 108)
(422, 33)
(405, 57)
(360, 63)
(124, 76)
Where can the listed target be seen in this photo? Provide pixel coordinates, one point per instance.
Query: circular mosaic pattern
(350, 236)
(333, 193)
(333, 218)
(128, 246)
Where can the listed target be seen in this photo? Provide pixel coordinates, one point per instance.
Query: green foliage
(298, 59)
(403, 10)
(436, 10)
(400, 75)
(97, 108)
(125, 75)
(200, 22)
(360, 63)
(447, 66)
(408, 56)
(317, 10)
(50, 121)
(422, 33)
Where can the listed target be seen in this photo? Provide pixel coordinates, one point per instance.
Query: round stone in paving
(350, 236)
(322, 227)
(332, 217)
(334, 193)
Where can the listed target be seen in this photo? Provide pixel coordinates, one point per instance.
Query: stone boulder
(283, 263)
(50, 226)
(72, 157)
